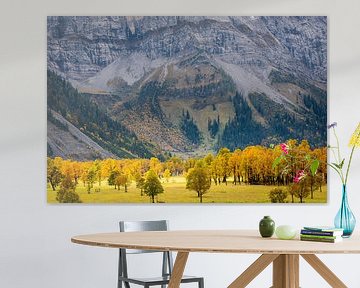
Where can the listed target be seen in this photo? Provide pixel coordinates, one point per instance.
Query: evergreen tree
(79, 110)
(189, 128)
(213, 126)
(242, 130)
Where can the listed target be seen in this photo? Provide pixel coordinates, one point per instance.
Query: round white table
(284, 254)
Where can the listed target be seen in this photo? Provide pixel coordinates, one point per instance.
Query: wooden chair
(167, 262)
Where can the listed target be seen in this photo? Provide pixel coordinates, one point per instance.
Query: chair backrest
(134, 226)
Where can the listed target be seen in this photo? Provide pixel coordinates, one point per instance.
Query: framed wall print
(186, 109)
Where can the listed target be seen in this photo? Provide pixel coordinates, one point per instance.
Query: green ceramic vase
(266, 227)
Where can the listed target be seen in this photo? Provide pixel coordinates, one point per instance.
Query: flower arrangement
(302, 166)
(344, 219)
(339, 163)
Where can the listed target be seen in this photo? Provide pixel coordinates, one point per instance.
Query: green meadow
(175, 192)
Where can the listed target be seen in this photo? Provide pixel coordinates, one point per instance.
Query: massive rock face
(160, 69)
(81, 46)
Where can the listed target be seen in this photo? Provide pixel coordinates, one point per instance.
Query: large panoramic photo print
(186, 109)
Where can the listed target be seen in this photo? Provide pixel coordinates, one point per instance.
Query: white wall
(35, 248)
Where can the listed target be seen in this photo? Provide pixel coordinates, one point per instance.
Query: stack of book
(321, 234)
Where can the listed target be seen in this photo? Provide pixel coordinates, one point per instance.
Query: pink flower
(285, 148)
(299, 176)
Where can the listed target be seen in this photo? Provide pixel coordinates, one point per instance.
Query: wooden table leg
(253, 270)
(286, 271)
(293, 262)
(178, 270)
(324, 271)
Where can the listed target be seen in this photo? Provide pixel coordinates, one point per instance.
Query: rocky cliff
(154, 70)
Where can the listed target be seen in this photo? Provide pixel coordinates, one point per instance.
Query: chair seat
(158, 280)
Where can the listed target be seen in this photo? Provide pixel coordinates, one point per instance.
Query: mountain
(67, 141)
(88, 124)
(194, 84)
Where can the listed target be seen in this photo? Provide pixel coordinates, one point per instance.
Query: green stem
(348, 166)
(338, 145)
(337, 171)
(333, 152)
(339, 160)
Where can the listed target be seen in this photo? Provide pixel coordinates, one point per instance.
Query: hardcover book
(323, 228)
(321, 232)
(323, 239)
(319, 237)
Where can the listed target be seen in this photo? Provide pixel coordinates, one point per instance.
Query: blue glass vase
(345, 219)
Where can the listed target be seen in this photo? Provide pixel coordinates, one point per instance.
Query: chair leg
(126, 284)
(201, 283)
(119, 270)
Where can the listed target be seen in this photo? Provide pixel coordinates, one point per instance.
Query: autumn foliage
(251, 166)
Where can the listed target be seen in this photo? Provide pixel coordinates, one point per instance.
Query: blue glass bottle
(345, 219)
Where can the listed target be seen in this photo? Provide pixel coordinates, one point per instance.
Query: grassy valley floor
(175, 192)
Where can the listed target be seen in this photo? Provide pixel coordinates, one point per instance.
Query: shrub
(277, 195)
